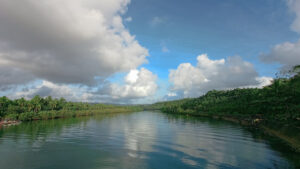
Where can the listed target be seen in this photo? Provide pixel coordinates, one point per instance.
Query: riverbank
(15, 119)
(6, 123)
(276, 130)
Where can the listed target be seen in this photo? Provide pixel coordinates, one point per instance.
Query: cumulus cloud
(47, 88)
(137, 84)
(192, 81)
(67, 41)
(288, 53)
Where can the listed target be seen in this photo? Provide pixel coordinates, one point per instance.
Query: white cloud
(192, 81)
(138, 84)
(186, 77)
(71, 42)
(67, 41)
(262, 81)
(47, 88)
(209, 66)
(288, 53)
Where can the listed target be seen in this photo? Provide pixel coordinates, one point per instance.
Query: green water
(136, 141)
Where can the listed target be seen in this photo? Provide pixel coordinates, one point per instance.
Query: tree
(21, 104)
(53, 104)
(36, 101)
(4, 102)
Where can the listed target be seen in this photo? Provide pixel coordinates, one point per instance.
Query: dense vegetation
(166, 104)
(278, 102)
(48, 108)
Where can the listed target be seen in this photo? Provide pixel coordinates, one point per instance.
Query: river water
(136, 141)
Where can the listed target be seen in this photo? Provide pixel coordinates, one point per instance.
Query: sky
(143, 51)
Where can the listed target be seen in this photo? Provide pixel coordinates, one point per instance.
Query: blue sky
(220, 29)
(142, 51)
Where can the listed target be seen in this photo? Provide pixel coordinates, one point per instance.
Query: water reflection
(137, 140)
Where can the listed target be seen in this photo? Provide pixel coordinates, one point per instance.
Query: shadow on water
(258, 136)
(278, 145)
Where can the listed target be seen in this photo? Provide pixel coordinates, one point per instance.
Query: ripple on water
(136, 140)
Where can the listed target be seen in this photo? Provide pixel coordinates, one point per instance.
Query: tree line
(279, 101)
(48, 108)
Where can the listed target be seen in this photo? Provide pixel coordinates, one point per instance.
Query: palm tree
(53, 104)
(36, 101)
(21, 103)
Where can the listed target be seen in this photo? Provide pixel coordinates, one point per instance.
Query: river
(136, 141)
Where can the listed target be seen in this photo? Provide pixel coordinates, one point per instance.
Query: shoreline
(7, 123)
(257, 124)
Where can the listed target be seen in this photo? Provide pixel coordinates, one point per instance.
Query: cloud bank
(287, 54)
(192, 81)
(72, 47)
(47, 88)
(74, 42)
(137, 84)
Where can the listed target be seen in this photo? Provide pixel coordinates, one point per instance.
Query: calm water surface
(136, 141)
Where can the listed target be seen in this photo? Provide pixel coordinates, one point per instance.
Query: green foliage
(39, 108)
(12, 116)
(27, 116)
(279, 101)
(161, 105)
